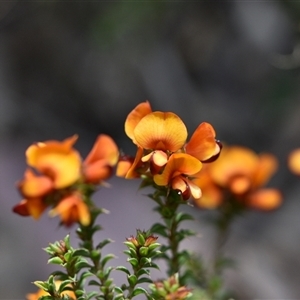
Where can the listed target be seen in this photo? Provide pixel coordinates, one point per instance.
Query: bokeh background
(80, 67)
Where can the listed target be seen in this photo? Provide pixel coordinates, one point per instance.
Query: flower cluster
(57, 177)
(169, 289)
(163, 153)
(239, 173)
(42, 293)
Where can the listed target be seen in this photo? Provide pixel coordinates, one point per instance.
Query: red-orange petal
(104, 149)
(135, 116)
(178, 163)
(123, 167)
(267, 166)
(97, 172)
(30, 207)
(35, 186)
(265, 199)
(21, 208)
(202, 144)
(72, 209)
(132, 172)
(161, 131)
(240, 184)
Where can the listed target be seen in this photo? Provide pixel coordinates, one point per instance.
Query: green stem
(86, 235)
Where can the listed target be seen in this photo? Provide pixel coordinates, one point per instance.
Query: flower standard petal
(203, 144)
(161, 131)
(58, 160)
(135, 117)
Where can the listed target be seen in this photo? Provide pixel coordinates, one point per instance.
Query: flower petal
(35, 186)
(135, 117)
(58, 160)
(137, 163)
(161, 131)
(240, 184)
(211, 193)
(265, 199)
(178, 163)
(267, 166)
(30, 207)
(233, 161)
(294, 161)
(104, 148)
(72, 209)
(202, 144)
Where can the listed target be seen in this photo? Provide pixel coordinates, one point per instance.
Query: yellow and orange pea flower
(163, 151)
(242, 173)
(56, 171)
(40, 293)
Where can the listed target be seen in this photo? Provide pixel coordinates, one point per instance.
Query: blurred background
(81, 67)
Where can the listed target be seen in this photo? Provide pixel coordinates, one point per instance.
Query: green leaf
(123, 269)
(133, 261)
(41, 284)
(67, 241)
(81, 252)
(106, 258)
(104, 243)
(118, 290)
(183, 217)
(143, 251)
(55, 261)
(119, 297)
(63, 285)
(94, 282)
(107, 272)
(138, 291)
(144, 279)
(142, 272)
(82, 264)
(132, 280)
(46, 298)
(159, 229)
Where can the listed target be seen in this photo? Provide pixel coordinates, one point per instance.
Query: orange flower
(158, 136)
(40, 293)
(99, 162)
(72, 209)
(241, 172)
(294, 161)
(176, 174)
(57, 160)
